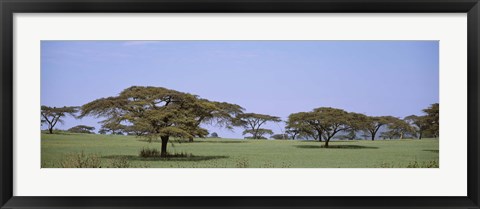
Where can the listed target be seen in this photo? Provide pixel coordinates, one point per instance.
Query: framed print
(239, 104)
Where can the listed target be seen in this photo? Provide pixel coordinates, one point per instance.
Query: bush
(81, 160)
(121, 162)
(152, 152)
(149, 152)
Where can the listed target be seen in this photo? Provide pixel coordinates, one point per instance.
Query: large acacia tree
(156, 112)
(323, 122)
(252, 122)
(332, 121)
(52, 115)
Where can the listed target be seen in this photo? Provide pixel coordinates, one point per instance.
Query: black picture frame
(9, 7)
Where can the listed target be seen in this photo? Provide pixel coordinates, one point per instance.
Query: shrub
(242, 163)
(81, 160)
(154, 153)
(149, 152)
(121, 162)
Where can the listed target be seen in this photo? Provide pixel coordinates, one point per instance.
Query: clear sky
(397, 78)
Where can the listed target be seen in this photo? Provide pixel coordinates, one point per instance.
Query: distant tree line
(161, 113)
(325, 122)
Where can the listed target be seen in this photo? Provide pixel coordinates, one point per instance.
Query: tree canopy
(298, 124)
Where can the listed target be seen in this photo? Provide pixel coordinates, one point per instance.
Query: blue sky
(397, 78)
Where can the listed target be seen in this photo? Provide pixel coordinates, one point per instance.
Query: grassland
(229, 153)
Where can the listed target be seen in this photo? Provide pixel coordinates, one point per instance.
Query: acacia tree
(419, 123)
(399, 128)
(252, 122)
(373, 124)
(324, 122)
(332, 121)
(82, 129)
(52, 115)
(158, 112)
(432, 119)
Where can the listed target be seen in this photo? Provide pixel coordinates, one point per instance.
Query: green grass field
(110, 151)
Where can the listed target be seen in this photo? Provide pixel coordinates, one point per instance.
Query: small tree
(82, 129)
(419, 123)
(214, 135)
(399, 128)
(373, 124)
(252, 122)
(52, 115)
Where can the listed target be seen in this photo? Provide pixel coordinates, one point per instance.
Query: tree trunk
(326, 143)
(420, 135)
(190, 139)
(163, 153)
(50, 130)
